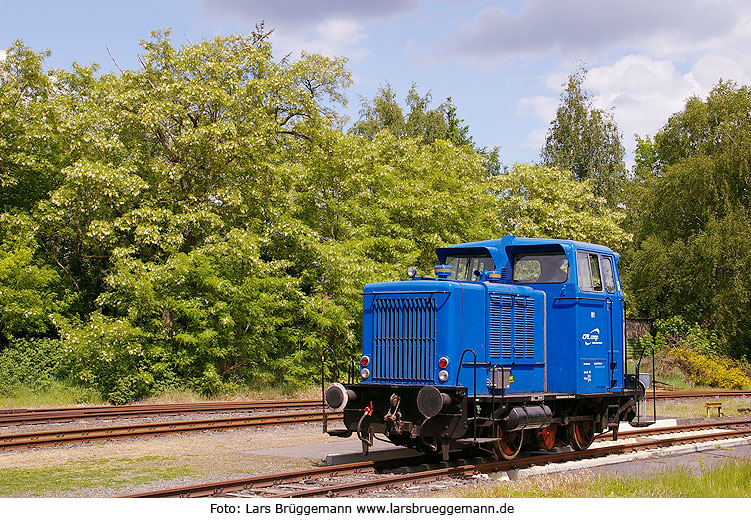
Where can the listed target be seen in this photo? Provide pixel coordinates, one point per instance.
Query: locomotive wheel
(546, 436)
(581, 434)
(510, 444)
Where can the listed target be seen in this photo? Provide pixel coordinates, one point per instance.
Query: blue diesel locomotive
(514, 342)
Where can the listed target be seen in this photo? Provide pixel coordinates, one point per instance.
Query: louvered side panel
(519, 330)
(507, 341)
(495, 325)
(529, 326)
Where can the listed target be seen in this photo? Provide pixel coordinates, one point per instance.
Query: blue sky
(502, 63)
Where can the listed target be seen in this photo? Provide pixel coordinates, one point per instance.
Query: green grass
(666, 373)
(257, 392)
(55, 394)
(676, 381)
(109, 473)
(64, 394)
(729, 479)
(731, 407)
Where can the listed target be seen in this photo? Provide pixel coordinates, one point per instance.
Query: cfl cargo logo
(592, 337)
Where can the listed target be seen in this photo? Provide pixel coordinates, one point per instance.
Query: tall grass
(729, 479)
(55, 393)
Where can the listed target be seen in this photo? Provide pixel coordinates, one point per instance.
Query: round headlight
(364, 373)
(443, 362)
(443, 376)
(365, 360)
(412, 271)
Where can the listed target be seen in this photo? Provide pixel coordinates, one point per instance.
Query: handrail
(609, 303)
(563, 298)
(654, 376)
(474, 388)
(399, 292)
(323, 381)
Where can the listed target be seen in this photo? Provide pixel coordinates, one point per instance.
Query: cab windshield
(463, 266)
(541, 267)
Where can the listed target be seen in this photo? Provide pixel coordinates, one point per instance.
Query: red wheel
(581, 434)
(510, 444)
(546, 436)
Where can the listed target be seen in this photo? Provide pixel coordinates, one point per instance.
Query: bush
(676, 331)
(109, 356)
(711, 370)
(700, 354)
(34, 363)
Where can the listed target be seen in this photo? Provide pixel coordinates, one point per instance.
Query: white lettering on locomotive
(592, 337)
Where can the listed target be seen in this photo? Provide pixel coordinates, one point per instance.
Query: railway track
(696, 394)
(313, 482)
(19, 417)
(16, 417)
(70, 436)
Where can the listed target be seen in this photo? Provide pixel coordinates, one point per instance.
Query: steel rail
(57, 437)
(20, 416)
(423, 477)
(673, 429)
(234, 485)
(275, 479)
(697, 394)
(16, 417)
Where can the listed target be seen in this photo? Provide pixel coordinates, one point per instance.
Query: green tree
(691, 207)
(586, 141)
(28, 300)
(208, 223)
(540, 201)
(197, 147)
(30, 144)
(382, 113)
(422, 122)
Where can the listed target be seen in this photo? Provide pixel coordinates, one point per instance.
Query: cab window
(607, 274)
(588, 270)
(463, 267)
(540, 267)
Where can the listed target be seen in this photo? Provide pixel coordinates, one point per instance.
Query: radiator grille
(512, 327)
(403, 338)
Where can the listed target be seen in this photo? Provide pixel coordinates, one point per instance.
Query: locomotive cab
(511, 342)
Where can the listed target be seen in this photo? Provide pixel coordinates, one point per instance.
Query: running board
(479, 440)
(344, 433)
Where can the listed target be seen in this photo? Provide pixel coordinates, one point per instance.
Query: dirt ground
(119, 467)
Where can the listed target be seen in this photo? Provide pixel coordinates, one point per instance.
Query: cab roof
(500, 248)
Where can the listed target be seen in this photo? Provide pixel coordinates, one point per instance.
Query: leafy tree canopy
(586, 141)
(204, 221)
(421, 122)
(691, 204)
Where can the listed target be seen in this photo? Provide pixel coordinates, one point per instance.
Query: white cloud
(2, 55)
(330, 38)
(592, 27)
(332, 28)
(535, 139)
(542, 107)
(641, 92)
(711, 68)
(296, 13)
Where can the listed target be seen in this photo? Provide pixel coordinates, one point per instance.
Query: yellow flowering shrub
(711, 370)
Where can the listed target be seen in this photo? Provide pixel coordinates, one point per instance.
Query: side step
(479, 440)
(344, 433)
